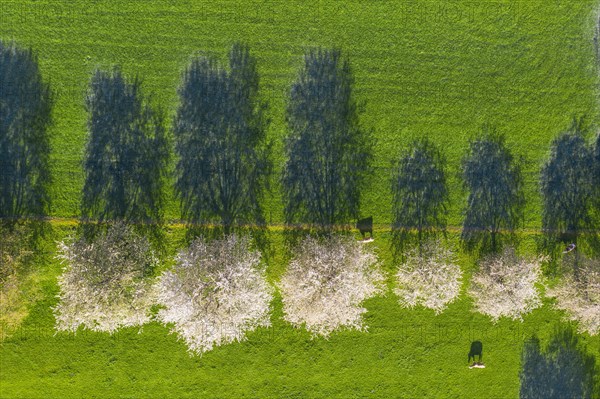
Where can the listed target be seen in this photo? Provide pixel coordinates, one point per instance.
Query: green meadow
(434, 68)
(439, 69)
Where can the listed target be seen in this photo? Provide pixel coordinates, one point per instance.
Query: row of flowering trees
(224, 158)
(222, 171)
(218, 290)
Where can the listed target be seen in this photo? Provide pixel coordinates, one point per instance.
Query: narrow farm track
(280, 227)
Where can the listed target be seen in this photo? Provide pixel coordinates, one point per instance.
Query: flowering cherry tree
(216, 292)
(428, 277)
(326, 282)
(504, 286)
(578, 294)
(104, 285)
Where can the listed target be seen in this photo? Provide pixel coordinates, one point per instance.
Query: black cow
(476, 350)
(365, 226)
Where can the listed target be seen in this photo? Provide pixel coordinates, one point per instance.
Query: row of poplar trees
(224, 158)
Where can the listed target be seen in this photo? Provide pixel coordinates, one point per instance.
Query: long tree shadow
(564, 369)
(328, 151)
(25, 116)
(495, 204)
(224, 156)
(126, 159)
(420, 196)
(568, 192)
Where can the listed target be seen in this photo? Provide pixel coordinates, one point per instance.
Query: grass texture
(439, 69)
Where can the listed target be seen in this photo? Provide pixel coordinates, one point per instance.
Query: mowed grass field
(435, 68)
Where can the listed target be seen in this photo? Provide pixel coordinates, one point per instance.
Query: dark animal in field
(476, 350)
(365, 226)
(569, 248)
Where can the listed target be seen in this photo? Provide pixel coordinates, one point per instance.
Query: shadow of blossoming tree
(563, 370)
(328, 151)
(224, 166)
(494, 180)
(420, 195)
(25, 116)
(126, 154)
